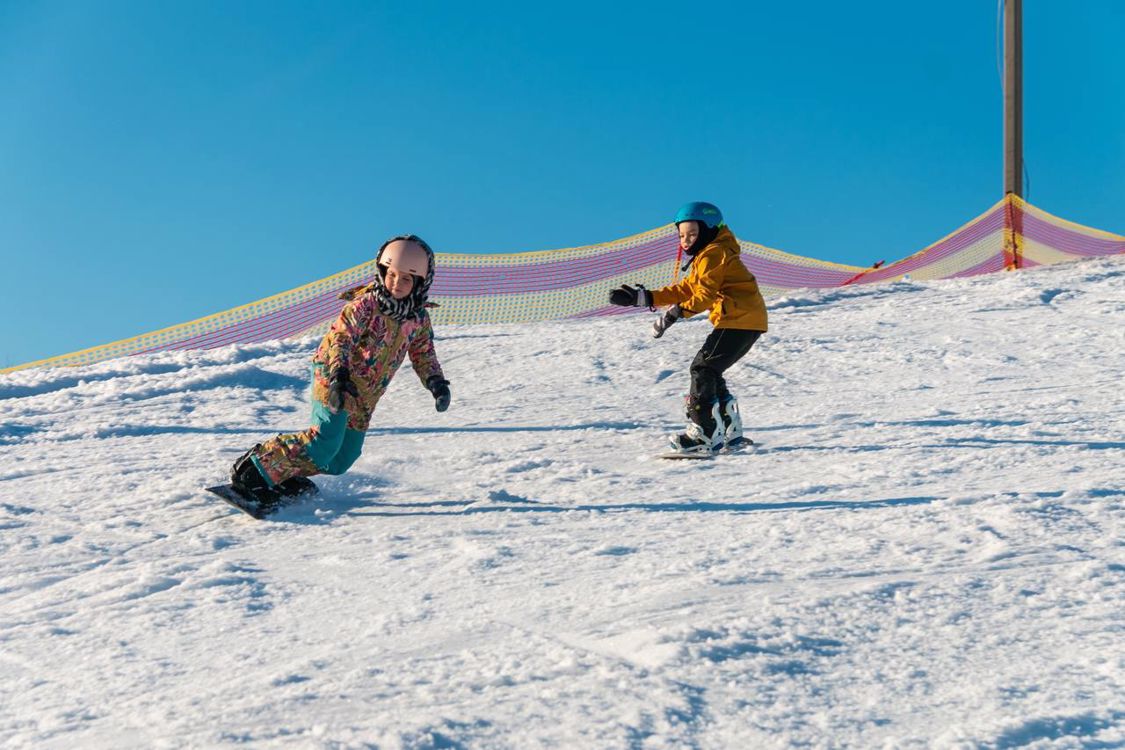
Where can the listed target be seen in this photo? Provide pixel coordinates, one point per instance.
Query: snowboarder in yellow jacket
(720, 284)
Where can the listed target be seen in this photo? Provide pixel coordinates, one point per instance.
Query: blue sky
(164, 161)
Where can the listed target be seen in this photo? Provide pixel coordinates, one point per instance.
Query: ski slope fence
(574, 283)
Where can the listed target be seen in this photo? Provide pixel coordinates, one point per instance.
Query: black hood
(707, 235)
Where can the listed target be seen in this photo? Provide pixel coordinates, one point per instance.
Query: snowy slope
(925, 550)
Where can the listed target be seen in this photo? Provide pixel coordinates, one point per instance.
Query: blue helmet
(706, 213)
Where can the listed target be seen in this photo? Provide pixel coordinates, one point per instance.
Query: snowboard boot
(698, 438)
(247, 480)
(732, 421)
(295, 486)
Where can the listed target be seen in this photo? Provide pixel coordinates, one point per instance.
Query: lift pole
(1013, 97)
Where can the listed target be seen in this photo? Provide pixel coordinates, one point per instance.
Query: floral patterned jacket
(372, 346)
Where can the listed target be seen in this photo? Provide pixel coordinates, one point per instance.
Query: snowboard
(250, 505)
(734, 447)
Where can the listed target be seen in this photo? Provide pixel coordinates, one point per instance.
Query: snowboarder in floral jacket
(382, 323)
(721, 283)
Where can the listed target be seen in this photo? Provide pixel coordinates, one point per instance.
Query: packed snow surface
(925, 549)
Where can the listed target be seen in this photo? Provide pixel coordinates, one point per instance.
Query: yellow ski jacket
(718, 282)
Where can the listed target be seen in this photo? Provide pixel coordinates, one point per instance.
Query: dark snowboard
(255, 508)
(735, 446)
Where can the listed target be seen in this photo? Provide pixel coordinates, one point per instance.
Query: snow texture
(925, 549)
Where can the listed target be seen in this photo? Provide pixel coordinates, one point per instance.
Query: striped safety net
(574, 283)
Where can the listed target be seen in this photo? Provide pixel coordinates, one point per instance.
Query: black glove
(662, 323)
(340, 382)
(627, 296)
(439, 386)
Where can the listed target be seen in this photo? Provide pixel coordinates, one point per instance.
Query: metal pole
(1013, 97)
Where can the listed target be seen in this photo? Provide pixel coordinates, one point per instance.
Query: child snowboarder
(382, 323)
(718, 282)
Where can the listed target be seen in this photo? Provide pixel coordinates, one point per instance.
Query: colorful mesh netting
(573, 283)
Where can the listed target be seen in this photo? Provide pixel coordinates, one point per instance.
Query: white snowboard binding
(732, 422)
(695, 442)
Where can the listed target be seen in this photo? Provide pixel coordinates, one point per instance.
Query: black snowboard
(254, 508)
(735, 446)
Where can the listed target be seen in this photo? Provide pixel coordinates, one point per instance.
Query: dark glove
(340, 383)
(662, 323)
(439, 386)
(627, 296)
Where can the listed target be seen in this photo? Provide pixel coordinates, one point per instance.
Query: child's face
(689, 233)
(399, 284)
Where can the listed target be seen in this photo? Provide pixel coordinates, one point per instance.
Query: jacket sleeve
(700, 290)
(423, 356)
(344, 334)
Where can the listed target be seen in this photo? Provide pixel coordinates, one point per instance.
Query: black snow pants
(723, 348)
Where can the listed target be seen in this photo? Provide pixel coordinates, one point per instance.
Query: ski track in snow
(925, 549)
